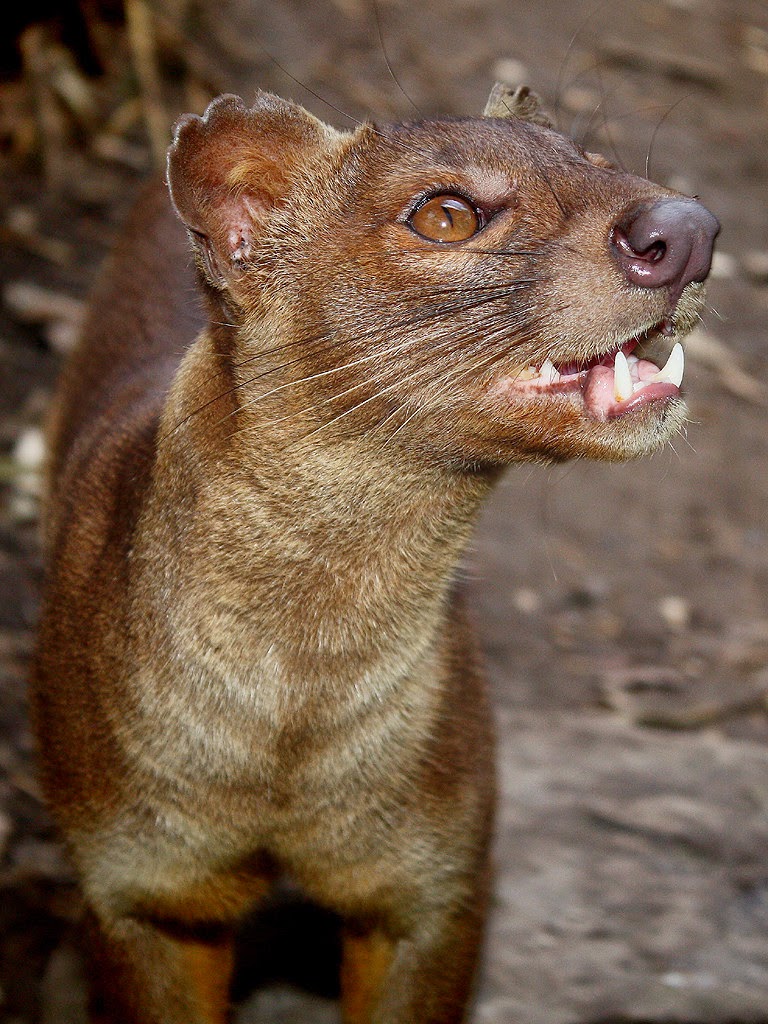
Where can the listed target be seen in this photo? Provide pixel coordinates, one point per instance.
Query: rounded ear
(520, 102)
(228, 170)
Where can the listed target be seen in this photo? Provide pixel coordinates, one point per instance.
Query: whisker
(377, 355)
(548, 181)
(501, 290)
(435, 293)
(303, 343)
(505, 329)
(502, 287)
(658, 128)
(406, 421)
(223, 323)
(566, 57)
(417, 320)
(481, 293)
(606, 120)
(587, 130)
(405, 147)
(395, 79)
(509, 325)
(355, 120)
(450, 339)
(479, 252)
(527, 253)
(230, 391)
(456, 373)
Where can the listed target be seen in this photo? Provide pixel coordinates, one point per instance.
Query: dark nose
(665, 245)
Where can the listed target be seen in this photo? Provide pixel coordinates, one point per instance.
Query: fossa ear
(520, 102)
(229, 169)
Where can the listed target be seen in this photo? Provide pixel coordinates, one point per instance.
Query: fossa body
(265, 467)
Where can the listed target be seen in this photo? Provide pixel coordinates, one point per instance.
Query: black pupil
(450, 205)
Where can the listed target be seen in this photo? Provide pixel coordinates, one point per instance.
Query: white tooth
(548, 372)
(672, 371)
(622, 379)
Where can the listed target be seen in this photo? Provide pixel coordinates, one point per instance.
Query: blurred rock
(755, 265)
(723, 264)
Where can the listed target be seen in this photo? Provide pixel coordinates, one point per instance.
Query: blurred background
(623, 610)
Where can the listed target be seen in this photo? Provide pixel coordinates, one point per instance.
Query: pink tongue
(601, 402)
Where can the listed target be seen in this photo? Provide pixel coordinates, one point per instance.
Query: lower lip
(599, 400)
(596, 387)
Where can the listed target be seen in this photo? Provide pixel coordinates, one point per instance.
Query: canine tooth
(528, 373)
(672, 371)
(622, 379)
(548, 371)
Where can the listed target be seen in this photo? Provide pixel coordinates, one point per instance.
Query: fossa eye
(446, 218)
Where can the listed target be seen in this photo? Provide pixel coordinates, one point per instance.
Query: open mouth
(612, 384)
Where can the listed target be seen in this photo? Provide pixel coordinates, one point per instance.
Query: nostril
(652, 253)
(655, 252)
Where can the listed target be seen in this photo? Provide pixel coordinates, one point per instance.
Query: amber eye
(446, 219)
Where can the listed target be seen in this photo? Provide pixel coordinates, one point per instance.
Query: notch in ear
(520, 102)
(229, 169)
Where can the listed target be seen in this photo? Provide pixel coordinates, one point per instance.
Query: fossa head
(478, 290)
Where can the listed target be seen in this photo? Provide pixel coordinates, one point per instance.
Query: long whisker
(369, 357)
(405, 147)
(566, 57)
(230, 391)
(607, 120)
(503, 288)
(539, 168)
(408, 419)
(420, 251)
(377, 355)
(399, 383)
(656, 130)
(478, 365)
(304, 343)
(323, 99)
(506, 329)
(587, 130)
(311, 346)
(483, 363)
(387, 61)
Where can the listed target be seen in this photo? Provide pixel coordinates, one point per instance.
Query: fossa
(265, 468)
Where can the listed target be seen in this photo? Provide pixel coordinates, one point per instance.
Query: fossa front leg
(165, 955)
(424, 977)
(146, 973)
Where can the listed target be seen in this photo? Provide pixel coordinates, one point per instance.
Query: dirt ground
(623, 610)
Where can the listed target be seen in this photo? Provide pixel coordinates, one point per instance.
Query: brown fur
(253, 657)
